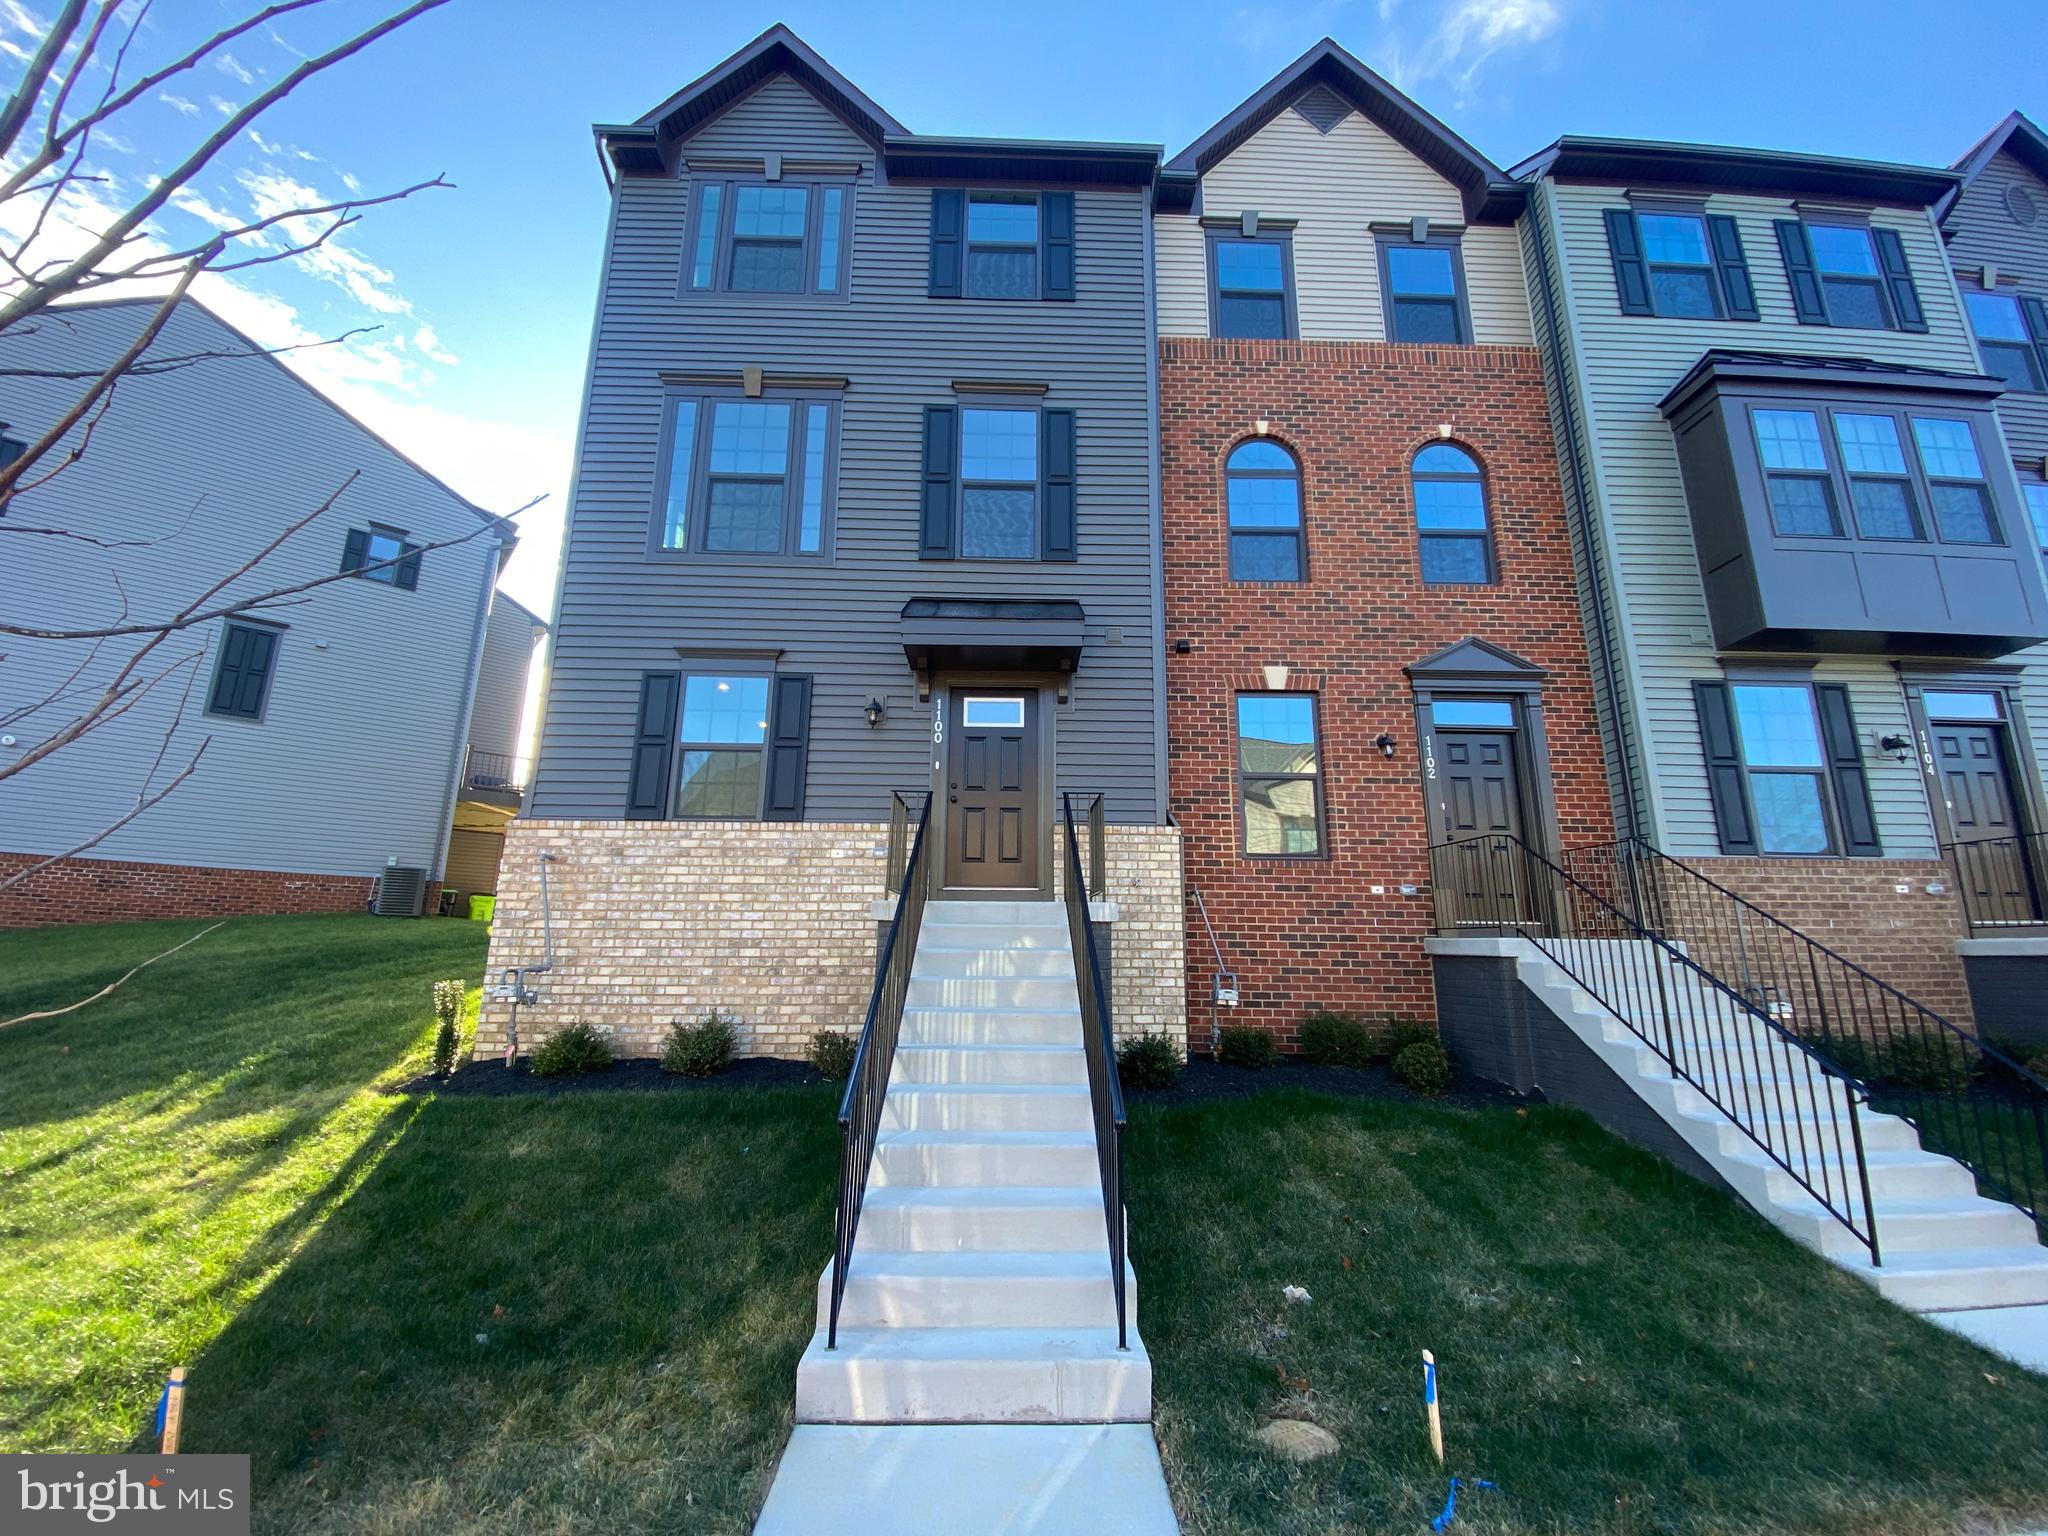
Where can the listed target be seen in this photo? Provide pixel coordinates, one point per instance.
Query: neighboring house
(865, 506)
(1810, 543)
(1369, 571)
(334, 726)
(497, 768)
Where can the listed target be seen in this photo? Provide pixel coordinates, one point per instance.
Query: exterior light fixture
(1385, 743)
(877, 712)
(1899, 748)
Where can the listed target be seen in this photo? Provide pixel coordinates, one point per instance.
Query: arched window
(1262, 485)
(1450, 517)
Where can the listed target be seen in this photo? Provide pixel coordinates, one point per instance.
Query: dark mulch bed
(1203, 1080)
(494, 1080)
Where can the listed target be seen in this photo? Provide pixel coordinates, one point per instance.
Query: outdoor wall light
(877, 712)
(1385, 743)
(1899, 748)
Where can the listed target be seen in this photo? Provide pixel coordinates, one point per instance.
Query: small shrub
(1337, 1040)
(1148, 1062)
(702, 1049)
(1252, 1049)
(448, 997)
(1926, 1061)
(1403, 1031)
(570, 1051)
(832, 1053)
(1424, 1067)
(1854, 1055)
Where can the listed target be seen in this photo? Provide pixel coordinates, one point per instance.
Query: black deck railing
(1098, 1042)
(500, 771)
(2000, 881)
(860, 1111)
(1795, 1106)
(1969, 1100)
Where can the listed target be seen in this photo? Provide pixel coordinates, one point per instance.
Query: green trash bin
(481, 908)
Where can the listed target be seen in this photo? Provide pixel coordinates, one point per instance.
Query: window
(1851, 282)
(2037, 508)
(723, 727)
(2002, 337)
(1796, 474)
(242, 671)
(1955, 481)
(1250, 292)
(1450, 517)
(1002, 245)
(1423, 291)
(769, 237)
(11, 448)
(1262, 485)
(377, 553)
(1681, 265)
(1279, 774)
(998, 484)
(748, 477)
(1781, 752)
(1961, 706)
(1482, 714)
(1880, 490)
(992, 714)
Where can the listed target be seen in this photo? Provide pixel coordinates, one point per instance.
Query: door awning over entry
(991, 634)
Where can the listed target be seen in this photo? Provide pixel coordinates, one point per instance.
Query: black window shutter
(1898, 278)
(1059, 537)
(407, 570)
(1845, 768)
(935, 524)
(1725, 781)
(355, 549)
(1631, 275)
(227, 682)
(949, 218)
(789, 748)
(654, 745)
(256, 671)
(1056, 210)
(1807, 301)
(1737, 292)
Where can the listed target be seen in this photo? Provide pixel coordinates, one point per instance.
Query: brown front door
(1482, 795)
(993, 835)
(1990, 857)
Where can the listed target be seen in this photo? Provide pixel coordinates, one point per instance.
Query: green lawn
(423, 1314)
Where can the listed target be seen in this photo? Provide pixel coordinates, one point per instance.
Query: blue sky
(485, 292)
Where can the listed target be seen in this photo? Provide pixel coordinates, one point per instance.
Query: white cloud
(272, 193)
(350, 182)
(1473, 31)
(190, 109)
(22, 19)
(228, 64)
(256, 138)
(113, 141)
(428, 340)
(224, 108)
(14, 50)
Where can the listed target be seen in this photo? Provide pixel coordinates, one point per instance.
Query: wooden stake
(1436, 1422)
(174, 1410)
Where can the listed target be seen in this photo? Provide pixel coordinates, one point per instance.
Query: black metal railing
(860, 1111)
(1097, 1040)
(1798, 1108)
(1969, 1100)
(2000, 881)
(500, 771)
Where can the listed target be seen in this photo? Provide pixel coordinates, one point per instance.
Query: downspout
(461, 745)
(1582, 513)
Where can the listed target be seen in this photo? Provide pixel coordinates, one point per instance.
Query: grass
(582, 1314)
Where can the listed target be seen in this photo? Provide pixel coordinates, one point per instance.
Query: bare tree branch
(171, 259)
(149, 367)
(99, 543)
(53, 1013)
(22, 103)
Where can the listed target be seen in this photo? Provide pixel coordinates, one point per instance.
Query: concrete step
(939, 1024)
(1970, 1223)
(1016, 936)
(974, 1376)
(950, 960)
(894, 1289)
(1964, 1277)
(1810, 1133)
(956, 1159)
(1041, 992)
(1894, 1175)
(989, 1063)
(988, 1107)
(998, 913)
(1003, 1218)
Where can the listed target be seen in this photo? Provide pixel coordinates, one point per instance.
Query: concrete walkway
(2018, 1333)
(969, 1480)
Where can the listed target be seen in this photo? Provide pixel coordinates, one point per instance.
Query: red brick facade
(116, 891)
(1304, 934)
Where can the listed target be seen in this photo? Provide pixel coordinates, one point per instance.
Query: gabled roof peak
(2016, 135)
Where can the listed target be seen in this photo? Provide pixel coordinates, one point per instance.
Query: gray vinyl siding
(622, 614)
(510, 640)
(354, 759)
(1980, 230)
(1620, 367)
(473, 864)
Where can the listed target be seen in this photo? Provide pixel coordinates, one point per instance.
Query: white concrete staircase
(1943, 1246)
(979, 1290)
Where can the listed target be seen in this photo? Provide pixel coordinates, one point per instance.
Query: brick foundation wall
(120, 891)
(1306, 934)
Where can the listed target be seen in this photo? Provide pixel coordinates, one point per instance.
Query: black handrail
(1104, 1090)
(1787, 1099)
(2000, 881)
(867, 1085)
(1968, 1099)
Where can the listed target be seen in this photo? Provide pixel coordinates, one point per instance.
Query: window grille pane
(1884, 509)
(1947, 448)
(811, 535)
(1264, 502)
(719, 784)
(1996, 317)
(1265, 557)
(725, 709)
(682, 443)
(1677, 238)
(1790, 440)
(1249, 266)
(1870, 444)
(707, 237)
(773, 267)
(1252, 317)
(1839, 248)
(830, 212)
(1802, 507)
(999, 445)
(1962, 513)
(998, 524)
(1682, 295)
(750, 438)
(1001, 274)
(1421, 269)
(744, 517)
(1452, 561)
(1790, 813)
(1425, 320)
(1450, 506)
(1853, 302)
(1260, 454)
(770, 213)
(1280, 816)
(1276, 733)
(1002, 218)
(1777, 725)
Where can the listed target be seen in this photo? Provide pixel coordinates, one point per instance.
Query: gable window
(1880, 489)
(2010, 349)
(722, 731)
(1955, 481)
(1250, 291)
(748, 477)
(1422, 287)
(1450, 517)
(1679, 264)
(1262, 487)
(377, 553)
(1796, 474)
(1785, 767)
(242, 671)
(11, 448)
(1002, 245)
(768, 237)
(1279, 775)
